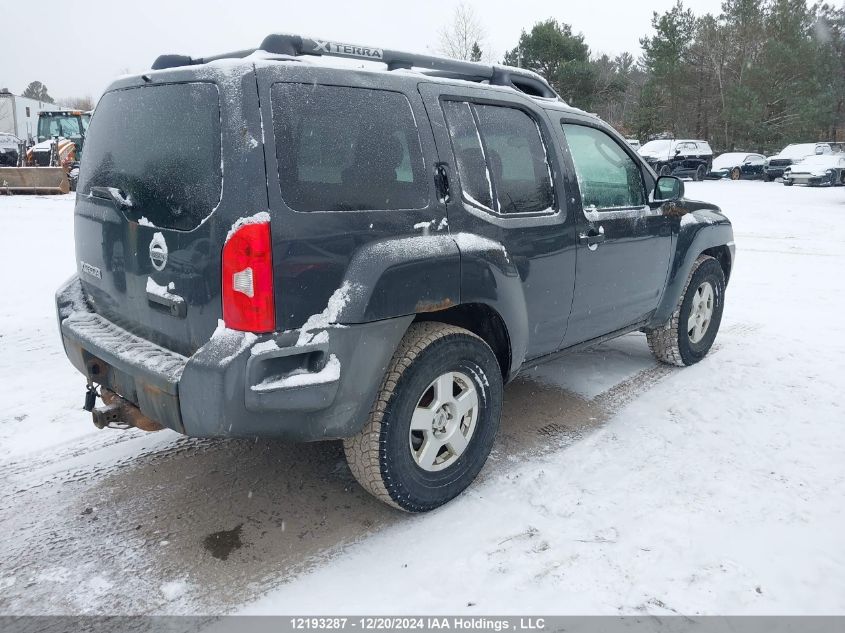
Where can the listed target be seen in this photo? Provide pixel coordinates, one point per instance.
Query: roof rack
(294, 45)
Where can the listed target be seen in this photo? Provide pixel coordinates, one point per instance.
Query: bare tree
(77, 103)
(464, 37)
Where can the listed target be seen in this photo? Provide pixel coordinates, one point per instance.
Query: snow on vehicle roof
(798, 150)
(824, 160)
(263, 59)
(730, 159)
(657, 145)
(9, 140)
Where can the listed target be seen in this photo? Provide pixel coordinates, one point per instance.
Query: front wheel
(700, 173)
(665, 171)
(687, 337)
(735, 173)
(434, 420)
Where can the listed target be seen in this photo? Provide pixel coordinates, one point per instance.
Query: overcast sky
(77, 48)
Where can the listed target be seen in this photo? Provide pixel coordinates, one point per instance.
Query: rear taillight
(248, 302)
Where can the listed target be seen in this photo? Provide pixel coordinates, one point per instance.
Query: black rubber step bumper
(320, 386)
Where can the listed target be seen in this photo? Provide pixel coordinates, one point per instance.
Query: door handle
(592, 238)
(441, 182)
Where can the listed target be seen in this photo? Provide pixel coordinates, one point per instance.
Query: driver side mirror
(668, 189)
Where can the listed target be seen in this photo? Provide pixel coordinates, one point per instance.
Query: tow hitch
(118, 413)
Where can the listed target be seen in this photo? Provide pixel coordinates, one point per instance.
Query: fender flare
(429, 273)
(401, 276)
(699, 230)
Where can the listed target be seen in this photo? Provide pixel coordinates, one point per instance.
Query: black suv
(271, 246)
(682, 158)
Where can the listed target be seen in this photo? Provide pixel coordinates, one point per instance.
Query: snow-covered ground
(617, 486)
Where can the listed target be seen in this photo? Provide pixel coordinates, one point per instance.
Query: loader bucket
(33, 180)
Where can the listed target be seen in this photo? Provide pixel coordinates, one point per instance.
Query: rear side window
(607, 176)
(345, 149)
(501, 159)
(476, 182)
(160, 145)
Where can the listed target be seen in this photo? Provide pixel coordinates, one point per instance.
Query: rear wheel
(700, 172)
(434, 420)
(665, 171)
(687, 337)
(735, 173)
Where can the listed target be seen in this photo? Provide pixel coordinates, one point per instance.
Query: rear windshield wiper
(121, 201)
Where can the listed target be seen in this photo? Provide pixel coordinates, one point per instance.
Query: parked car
(682, 158)
(817, 171)
(777, 164)
(737, 166)
(9, 144)
(425, 230)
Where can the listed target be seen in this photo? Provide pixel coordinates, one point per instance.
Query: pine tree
(475, 54)
(37, 90)
(562, 58)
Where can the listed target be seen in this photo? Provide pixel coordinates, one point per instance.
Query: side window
(517, 157)
(344, 149)
(754, 159)
(607, 176)
(501, 159)
(476, 182)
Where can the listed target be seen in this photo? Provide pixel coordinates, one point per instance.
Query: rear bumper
(230, 387)
(806, 179)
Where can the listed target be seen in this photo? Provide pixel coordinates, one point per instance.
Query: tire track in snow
(106, 528)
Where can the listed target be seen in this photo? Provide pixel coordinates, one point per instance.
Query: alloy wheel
(701, 313)
(443, 421)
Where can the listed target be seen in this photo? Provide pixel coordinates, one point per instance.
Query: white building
(19, 115)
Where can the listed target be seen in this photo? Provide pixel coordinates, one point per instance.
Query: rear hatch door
(171, 161)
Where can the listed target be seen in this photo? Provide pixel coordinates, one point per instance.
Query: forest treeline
(761, 74)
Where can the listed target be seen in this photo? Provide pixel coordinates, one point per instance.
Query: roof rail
(295, 45)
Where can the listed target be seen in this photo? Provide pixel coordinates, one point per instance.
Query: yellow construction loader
(52, 164)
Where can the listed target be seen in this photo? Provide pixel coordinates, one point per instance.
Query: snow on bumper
(808, 179)
(235, 385)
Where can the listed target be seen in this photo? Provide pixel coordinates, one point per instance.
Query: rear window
(160, 145)
(345, 149)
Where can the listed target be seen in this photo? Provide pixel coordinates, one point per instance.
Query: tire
(787, 183)
(665, 170)
(677, 345)
(736, 173)
(700, 173)
(386, 456)
(767, 178)
(73, 178)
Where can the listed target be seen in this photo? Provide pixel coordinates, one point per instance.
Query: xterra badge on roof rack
(353, 50)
